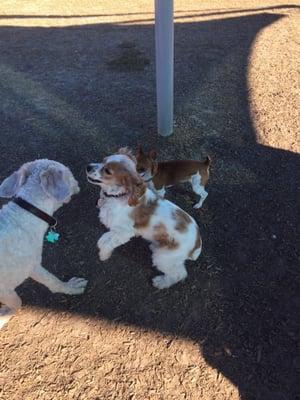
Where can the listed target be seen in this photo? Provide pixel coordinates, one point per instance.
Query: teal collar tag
(52, 236)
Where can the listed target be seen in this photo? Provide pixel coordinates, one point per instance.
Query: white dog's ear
(11, 185)
(54, 184)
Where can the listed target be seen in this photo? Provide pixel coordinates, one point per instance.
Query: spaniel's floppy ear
(10, 186)
(127, 152)
(135, 187)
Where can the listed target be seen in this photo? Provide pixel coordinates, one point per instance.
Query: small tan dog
(160, 175)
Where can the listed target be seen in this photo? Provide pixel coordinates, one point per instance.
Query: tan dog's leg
(198, 189)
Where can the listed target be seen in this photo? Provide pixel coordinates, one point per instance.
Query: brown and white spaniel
(128, 208)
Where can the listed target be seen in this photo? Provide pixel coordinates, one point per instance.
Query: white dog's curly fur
(47, 185)
(128, 209)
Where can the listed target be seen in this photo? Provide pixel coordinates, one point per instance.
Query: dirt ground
(77, 81)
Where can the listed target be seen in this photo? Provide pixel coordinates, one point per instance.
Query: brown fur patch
(131, 181)
(154, 168)
(163, 239)
(197, 245)
(177, 171)
(143, 163)
(182, 220)
(143, 213)
(115, 167)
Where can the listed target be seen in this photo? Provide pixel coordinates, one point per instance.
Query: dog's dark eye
(141, 170)
(107, 171)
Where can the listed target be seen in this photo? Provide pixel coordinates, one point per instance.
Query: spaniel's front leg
(112, 239)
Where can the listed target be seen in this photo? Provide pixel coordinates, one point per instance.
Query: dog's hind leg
(11, 303)
(174, 271)
(73, 286)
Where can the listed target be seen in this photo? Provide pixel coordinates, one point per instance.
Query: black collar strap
(51, 221)
(115, 195)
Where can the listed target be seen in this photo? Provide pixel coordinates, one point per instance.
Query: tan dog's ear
(140, 151)
(135, 187)
(127, 152)
(152, 154)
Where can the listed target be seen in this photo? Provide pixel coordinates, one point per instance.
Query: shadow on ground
(67, 95)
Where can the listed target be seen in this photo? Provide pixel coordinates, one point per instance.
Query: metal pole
(164, 46)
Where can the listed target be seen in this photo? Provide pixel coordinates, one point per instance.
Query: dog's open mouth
(92, 180)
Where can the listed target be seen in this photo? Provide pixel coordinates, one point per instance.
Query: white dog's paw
(5, 315)
(76, 285)
(161, 282)
(104, 254)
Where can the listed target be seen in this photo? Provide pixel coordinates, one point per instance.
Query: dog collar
(51, 221)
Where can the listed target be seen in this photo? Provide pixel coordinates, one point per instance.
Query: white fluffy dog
(128, 209)
(46, 185)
